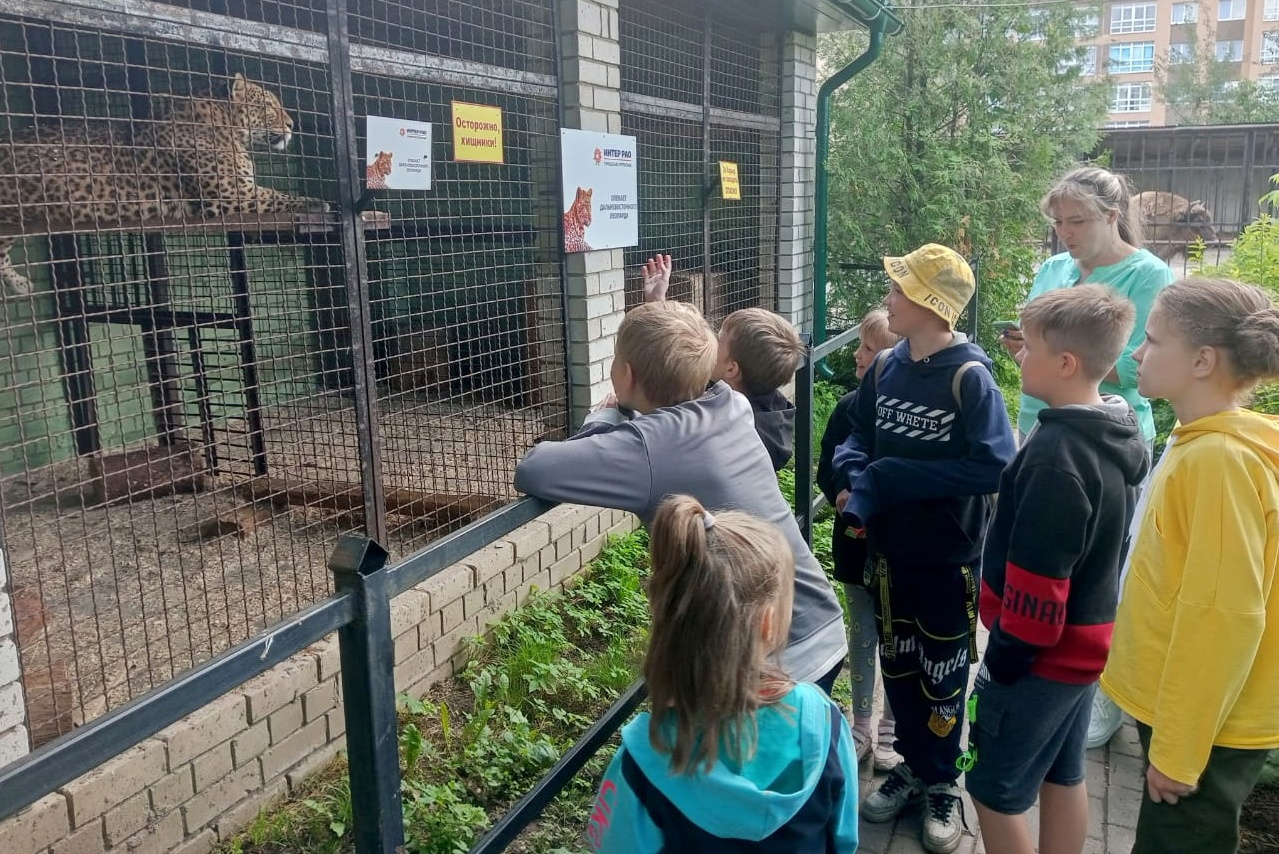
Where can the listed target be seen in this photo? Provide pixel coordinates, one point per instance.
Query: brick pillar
(591, 84)
(799, 162)
(13, 714)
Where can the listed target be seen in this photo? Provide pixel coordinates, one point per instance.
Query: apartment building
(1129, 40)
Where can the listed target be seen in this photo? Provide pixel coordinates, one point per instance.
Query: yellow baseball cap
(934, 277)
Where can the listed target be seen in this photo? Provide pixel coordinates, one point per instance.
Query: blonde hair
(1090, 321)
(671, 350)
(765, 347)
(1102, 190)
(1239, 320)
(708, 666)
(875, 331)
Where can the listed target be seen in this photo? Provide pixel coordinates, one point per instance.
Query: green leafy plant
(535, 682)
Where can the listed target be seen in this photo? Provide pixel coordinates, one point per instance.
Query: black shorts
(1028, 733)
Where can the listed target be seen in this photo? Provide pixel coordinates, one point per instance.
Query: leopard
(576, 220)
(376, 174)
(190, 160)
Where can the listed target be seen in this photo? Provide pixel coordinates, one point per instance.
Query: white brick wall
(591, 56)
(13, 716)
(799, 159)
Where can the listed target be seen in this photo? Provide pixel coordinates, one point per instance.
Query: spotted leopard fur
(191, 160)
(376, 173)
(576, 220)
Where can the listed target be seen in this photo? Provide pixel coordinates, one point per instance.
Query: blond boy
(759, 352)
(686, 439)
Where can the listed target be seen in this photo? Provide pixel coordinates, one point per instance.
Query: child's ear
(1206, 361)
(1068, 364)
(766, 625)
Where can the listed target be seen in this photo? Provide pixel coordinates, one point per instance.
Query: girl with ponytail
(734, 756)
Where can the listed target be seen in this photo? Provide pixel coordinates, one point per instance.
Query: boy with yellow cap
(930, 437)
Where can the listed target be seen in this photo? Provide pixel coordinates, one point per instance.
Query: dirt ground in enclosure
(131, 598)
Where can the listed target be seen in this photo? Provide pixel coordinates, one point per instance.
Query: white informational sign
(398, 155)
(601, 190)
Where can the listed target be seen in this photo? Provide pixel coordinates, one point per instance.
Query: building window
(1132, 57)
(1084, 59)
(1181, 53)
(1270, 48)
(1231, 10)
(1269, 81)
(1188, 13)
(1272, 10)
(1087, 26)
(1140, 123)
(1133, 18)
(1230, 50)
(1130, 98)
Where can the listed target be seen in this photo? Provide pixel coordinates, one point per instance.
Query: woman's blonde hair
(1240, 321)
(708, 667)
(1101, 190)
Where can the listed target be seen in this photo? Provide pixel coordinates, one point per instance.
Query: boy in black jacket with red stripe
(1050, 574)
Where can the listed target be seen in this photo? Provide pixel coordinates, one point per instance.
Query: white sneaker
(1105, 720)
(941, 824)
(886, 758)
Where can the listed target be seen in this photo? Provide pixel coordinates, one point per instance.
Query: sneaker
(941, 824)
(1105, 720)
(898, 790)
(862, 745)
(886, 758)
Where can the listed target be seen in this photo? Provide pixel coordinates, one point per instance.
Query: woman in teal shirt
(1091, 210)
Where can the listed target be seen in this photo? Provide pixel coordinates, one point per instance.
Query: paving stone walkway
(1115, 777)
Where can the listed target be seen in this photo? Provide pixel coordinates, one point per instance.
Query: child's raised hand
(657, 278)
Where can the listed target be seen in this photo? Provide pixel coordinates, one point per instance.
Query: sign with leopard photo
(397, 155)
(601, 190)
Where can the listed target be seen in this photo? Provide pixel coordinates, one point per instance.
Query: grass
(477, 743)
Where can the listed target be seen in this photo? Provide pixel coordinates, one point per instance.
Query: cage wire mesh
(177, 390)
(699, 87)
(1196, 183)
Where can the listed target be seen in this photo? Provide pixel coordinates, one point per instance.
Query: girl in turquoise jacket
(734, 756)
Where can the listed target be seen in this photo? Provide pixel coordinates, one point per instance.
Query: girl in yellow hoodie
(1195, 657)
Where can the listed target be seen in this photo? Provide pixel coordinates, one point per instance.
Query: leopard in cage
(190, 160)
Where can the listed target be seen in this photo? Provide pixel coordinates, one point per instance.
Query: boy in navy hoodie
(930, 437)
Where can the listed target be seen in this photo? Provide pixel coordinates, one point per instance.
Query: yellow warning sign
(729, 185)
(477, 133)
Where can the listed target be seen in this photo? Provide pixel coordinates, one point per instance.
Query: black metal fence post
(804, 379)
(359, 302)
(368, 692)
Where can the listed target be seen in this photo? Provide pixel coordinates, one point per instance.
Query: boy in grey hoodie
(759, 352)
(687, 439)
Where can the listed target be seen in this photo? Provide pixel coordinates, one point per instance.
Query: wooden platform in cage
(266, 224)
